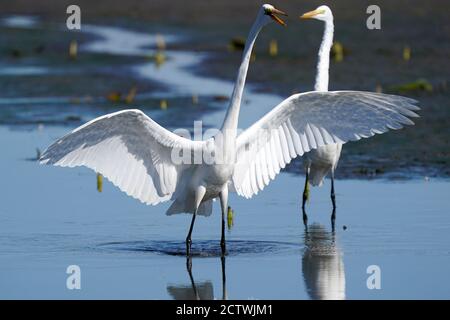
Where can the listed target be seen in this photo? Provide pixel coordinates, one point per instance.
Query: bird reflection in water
(323, 265)
(305, 218)
(197, 291)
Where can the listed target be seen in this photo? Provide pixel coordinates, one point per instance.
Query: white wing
(129, 149)
(309, 120)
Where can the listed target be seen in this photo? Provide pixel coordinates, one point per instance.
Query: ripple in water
(202, 248)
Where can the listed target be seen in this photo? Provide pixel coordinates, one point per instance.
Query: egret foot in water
(224, 279)
(188, 239)
(191, 277)
(223, 247)
(188, 247)
(305, 218)
(333, 219)
(333, 195)
(189, 264)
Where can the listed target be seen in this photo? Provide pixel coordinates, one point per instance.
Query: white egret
(319, 162)
(142, 158)
(136, 154)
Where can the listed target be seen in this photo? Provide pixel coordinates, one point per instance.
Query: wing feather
(307, 121)
(129, 149)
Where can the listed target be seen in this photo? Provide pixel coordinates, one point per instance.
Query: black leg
(188, 239)
(189, 265)
(224, 205)
(305, 218)
(333, 196)
(306, 188)
(333, 219)
(224, 279)
(189, 270)
(222, 239)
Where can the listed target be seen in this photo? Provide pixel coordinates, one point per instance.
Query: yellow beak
(276, 18)
(311, 14)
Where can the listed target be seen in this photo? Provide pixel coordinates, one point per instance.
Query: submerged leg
(305, 218)
(333, 196)
(224, 204)
(199, 194)
(306, 188)
(224, 279)
(333, 219)
(189, 270)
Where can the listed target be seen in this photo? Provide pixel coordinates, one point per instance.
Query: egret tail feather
(186, 206)
(317, 174)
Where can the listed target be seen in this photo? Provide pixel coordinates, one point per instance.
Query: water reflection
(305, 218)
(323, 265)
(197, 291)
(201, 291)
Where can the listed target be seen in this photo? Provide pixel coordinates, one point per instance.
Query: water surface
(51, 218)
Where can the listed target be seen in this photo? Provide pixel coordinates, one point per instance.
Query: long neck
(323, 64)
(231, 118)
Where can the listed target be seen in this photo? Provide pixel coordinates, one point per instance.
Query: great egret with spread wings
(143, 159)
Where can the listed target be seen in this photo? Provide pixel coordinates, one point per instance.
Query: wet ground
(51, 218)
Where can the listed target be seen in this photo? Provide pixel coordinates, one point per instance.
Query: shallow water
(51, 218)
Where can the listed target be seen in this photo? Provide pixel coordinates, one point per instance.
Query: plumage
(323, 117)
(323, 160)
(112, 145)
(319, 162)
(154, 165)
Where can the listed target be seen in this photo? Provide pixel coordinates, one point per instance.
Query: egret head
(270, 13)
(321, 13)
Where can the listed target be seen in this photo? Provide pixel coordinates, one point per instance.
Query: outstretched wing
(309, 120)
(128, 148)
